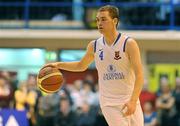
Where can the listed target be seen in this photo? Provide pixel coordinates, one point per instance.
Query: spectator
(87, 94)
(75, 94)
(89, 78)
(31, 82)
(6, 93)
(65, 117)
(176, 94)
(20, 97)
(150, 116)
(66, 92)
(147, 96)
(87, 115)
(165, 106)
(47, 109)
(26, 100)
(31, 100)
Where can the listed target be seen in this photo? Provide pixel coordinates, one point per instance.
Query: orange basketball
(49, 79)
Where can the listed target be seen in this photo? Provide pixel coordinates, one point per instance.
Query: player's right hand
(50, 65)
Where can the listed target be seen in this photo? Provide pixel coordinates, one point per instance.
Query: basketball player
(117, 59)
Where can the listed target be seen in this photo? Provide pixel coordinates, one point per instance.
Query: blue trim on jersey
(119, 35)
(95, 45)
(104, 41)
(124, 47)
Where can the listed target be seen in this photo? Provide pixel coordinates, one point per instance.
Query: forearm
(137, 87)
(71, 66)
(169, 104)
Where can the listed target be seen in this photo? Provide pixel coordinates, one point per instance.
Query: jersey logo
(117, 55)
(113, 74)
(111, 68)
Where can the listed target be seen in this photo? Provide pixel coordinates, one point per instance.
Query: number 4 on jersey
(101, 55)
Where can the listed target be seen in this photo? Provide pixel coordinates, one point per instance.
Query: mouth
(100, 28)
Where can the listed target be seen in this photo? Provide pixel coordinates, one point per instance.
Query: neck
(111, 36)
(148, 112)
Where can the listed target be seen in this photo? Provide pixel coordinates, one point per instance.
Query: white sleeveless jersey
(116, 76)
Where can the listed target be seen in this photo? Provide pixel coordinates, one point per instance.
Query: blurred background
(35, 32)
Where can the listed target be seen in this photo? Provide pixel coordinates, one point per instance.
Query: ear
(115, 20)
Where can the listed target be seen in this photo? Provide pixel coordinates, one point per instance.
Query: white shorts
(114, 117)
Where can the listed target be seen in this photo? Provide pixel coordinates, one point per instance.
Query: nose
(98, 23)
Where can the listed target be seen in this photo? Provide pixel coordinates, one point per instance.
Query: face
(165, 88)
(85, 107)
(87, 87)
(147, 107)
(64, 106)
(104, 22)
(78, 84)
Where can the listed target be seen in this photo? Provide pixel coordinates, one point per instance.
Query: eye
(104, 19)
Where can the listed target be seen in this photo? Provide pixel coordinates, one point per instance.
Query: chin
(101, 31)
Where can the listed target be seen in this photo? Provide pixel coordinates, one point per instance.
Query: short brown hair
(113, 11)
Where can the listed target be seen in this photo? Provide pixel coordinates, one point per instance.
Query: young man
(118, 62)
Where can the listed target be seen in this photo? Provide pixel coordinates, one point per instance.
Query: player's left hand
(129, 108)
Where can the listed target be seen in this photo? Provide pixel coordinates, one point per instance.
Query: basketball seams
(46, 91)
(47, 76)
(51, 84)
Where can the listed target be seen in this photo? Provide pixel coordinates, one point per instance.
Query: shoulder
(131, 41)
(91, 46)
(131, 44)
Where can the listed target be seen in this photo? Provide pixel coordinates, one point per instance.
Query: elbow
(84, 68)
